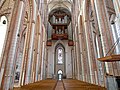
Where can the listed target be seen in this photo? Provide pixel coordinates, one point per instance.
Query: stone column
(73, 64)
(117, 7)
(38, 54)
(98, 52)
(77, 53)
(88, 51)
(89, 29)
(9, 73)
(35, 53)
(87, 41)
(42, 55)
(117, 10)
(117, 26)
(80, 31)
(30, 53)
(40, 50)
(104, 26)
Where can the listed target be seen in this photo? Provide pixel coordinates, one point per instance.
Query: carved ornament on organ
(59, 21)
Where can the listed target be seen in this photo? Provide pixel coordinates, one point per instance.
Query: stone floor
(66, 84)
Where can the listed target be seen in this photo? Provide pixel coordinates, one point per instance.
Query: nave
(51, 39)
(66, 84)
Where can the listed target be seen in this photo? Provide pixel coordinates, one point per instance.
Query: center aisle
(59, 85)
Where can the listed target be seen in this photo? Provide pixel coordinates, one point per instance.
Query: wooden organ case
(59, 20)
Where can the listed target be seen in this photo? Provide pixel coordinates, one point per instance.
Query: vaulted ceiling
(52, 4)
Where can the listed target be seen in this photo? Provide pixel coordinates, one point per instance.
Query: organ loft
(59, 45)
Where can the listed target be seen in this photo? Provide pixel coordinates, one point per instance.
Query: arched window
(60, 54)
(3, 28)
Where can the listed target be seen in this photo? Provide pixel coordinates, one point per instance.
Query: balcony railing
(59, 36)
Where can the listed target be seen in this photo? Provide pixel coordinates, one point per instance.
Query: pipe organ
(60, 21)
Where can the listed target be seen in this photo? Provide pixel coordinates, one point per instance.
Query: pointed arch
(60, 51)
(59, 57)
(3, 27)
(60, 74)
(59, 41)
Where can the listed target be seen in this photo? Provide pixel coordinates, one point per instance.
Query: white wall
(51, 52)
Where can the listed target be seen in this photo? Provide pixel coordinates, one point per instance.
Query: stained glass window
(60, 56)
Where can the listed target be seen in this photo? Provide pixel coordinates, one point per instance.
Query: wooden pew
(79, 85)
(41, 85)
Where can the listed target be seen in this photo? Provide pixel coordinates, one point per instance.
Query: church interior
(59, 44)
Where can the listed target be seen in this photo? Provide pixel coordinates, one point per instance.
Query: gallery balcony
(59, 36)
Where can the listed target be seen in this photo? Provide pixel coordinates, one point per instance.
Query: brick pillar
(117, 6)
(81, 39)
(8, 81)
(104, 26)
(77, 53)
(30, 53)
